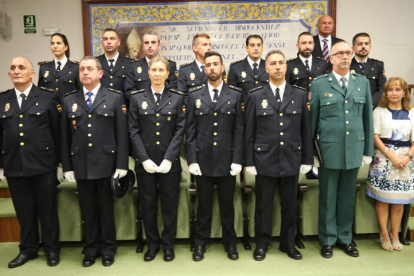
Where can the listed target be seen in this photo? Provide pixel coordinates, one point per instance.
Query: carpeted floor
(372, 261)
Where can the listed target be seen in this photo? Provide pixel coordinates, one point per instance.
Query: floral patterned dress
(386, 183)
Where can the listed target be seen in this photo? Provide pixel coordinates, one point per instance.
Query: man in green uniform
(341, 118)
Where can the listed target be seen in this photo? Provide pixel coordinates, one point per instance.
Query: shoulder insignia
(70, 93)
(43, 62)
(176, 91)
(320, 77)
(74, 62)
(300, 87)
(237, 61)
(236, 88)
(185, 64)
(47, 89)
(255, 89)
(171, 61)
(137, 91)
(195, 89)
(321, 59)
(376, 59)
(1, 92)
(292, 59)
(114, 90)
(99, 56)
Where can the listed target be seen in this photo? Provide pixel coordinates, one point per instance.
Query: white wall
(390, 24)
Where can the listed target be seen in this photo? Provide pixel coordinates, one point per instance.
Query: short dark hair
(200, 35)
(304, 33)
(151, 33)
(65, 41)
(98, 63)
(360, 35)
(253, 36)
(110, 30)
(213, 53)
(272, 52)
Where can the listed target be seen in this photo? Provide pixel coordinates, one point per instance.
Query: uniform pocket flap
(45, 145)
(201, 112)
(74, 150)
(69, 81)
(330, 101)
(261, 147)
(327, 138)
(36, 112)
(359, 100)
(264, 112)
(74, 114)
(141, 78)
(5, 114)
(297, 146)
(109, 149)
(293, 110)
(105, 113)
(169, 111)
(228, 111)
(146, 112)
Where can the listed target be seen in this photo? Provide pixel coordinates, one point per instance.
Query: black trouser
(35, 197)
(97, 205)
(166, 187)
(205, 193)
(265, 193)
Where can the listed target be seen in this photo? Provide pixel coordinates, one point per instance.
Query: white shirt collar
(250, 61)
(94, 91)
(153, 91)
(338, 77)
(366, 59)
(63, 62)
(329, 38)
(210, 89)
(115, 58)
(282, 88)
(26, 92)
(309, 60)
(198, 64)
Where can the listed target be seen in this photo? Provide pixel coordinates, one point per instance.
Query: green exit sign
(29, 23)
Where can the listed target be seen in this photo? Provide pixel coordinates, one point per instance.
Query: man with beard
(114, 65)
(341, 119)
(372, 69)
(215, 152)
(303, 69)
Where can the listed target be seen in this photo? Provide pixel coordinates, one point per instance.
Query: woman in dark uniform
(61, 74)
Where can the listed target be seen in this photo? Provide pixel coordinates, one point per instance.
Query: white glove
(165, 166)
(70, 176)
(194, 168)
(305, 168)
(119, 173)
(150, 166)
(316, 162)
(60, 176)
(366, 160)
(235, 169)
(251, 170)
(2, 177)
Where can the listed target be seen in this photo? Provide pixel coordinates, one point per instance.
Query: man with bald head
(341, 120)
(324, 40)
(29, 137)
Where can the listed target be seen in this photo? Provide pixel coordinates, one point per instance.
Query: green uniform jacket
(344, 123)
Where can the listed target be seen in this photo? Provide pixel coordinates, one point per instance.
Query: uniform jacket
(67, 80)
(278, 141)
(29, 137)
(241, 75)
(297, 73)
(374, 71)
(215, 132)
(114, 79)
(95, 142)
(343, 121)
(156, 132)
(190, 76)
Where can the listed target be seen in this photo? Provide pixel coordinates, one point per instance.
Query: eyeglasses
(341, 54)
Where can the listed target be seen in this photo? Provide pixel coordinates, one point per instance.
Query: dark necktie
(325, 50)
(362, 64)
(215, 97)
(89, 100)
(59, 64)
(23, 96)
(111, 61)
(343, 79)
(307, 65)
(255, 68)
(158, 95)
(278, 99)
(202, 69)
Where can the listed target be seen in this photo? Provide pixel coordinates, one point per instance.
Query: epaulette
(47, 89)
(44, 62)
(376, 60)
(99, 56)
(74, 62)
(70, 93)
(236, 88)
(292, 59)
(135, 60)
(320, 77)
(176, 91)
(114, 90)
(237, 61)
(255, 89)
(300, 87)
(137, 91)
(195, 88)
(185, 64)
(321, 59)
(1, 92)
(172, 61)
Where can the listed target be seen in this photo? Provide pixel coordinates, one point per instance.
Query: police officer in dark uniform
(114, 65)
(94, 146)
(61, 74)
(303, 69)
(278, 147)
(156, 128)
(137, 74)
(250, 72)
(215, 151)
(29, 138)
(372, 69)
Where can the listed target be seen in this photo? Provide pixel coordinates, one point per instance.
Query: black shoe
(327, 251)
(232, 253)
(21, 259)
(259, 254)
(349, 249)
(169, 255)
(293, 253)
(150, 254)
(52, 258)
(88, 261)
(198, 253)
(108, 260)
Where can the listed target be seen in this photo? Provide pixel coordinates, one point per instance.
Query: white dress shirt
(309, 61)
(210, 90)
(153, 93)
(251, 62)
(115, 58)
(26, 92)
(94, 92)
(281, 89)
(63, 62)
(338, 78)
(329, 42)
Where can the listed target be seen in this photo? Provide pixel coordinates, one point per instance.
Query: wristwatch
(409, 155)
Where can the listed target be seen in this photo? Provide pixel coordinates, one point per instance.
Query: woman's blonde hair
(406, 100)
